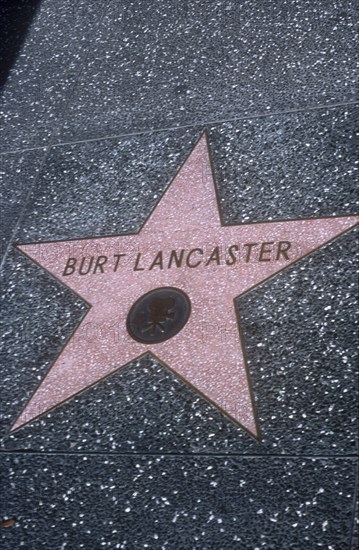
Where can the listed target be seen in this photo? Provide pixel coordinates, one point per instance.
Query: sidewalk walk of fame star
(187, 255)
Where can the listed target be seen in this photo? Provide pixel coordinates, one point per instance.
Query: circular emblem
(158, 315)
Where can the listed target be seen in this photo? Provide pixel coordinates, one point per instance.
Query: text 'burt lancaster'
(269, 251)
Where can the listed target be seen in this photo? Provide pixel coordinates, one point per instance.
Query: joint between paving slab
(181, 127)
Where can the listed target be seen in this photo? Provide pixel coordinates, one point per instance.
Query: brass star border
(183, 247)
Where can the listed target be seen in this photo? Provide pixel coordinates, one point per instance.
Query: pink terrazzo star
(184, 245)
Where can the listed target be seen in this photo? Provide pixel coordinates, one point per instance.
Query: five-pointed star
(218, 264)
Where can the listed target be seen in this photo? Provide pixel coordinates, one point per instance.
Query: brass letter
(118, 257)
(158, 261)
(136, 268)
(283, 247)
(264, 251)
(232, 259)
(69, 267)
(177, 260)
(249, 250)
(100, 262)
(214, 257)
(200, 251)
(82, 266)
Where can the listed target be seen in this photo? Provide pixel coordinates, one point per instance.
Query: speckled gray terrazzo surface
(18, 173)
(39, 86)
(195, 62)
(139, 460)
(284, 166)
(171, 502)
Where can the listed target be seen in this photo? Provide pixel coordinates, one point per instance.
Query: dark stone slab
(95, 501)
(103, 187)
(33, 334)
(355, 528)
(296, 165)
(300, 331)
(192, 62)
(18, 173)
(284, 166)
(45, 71)
(298, 327)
